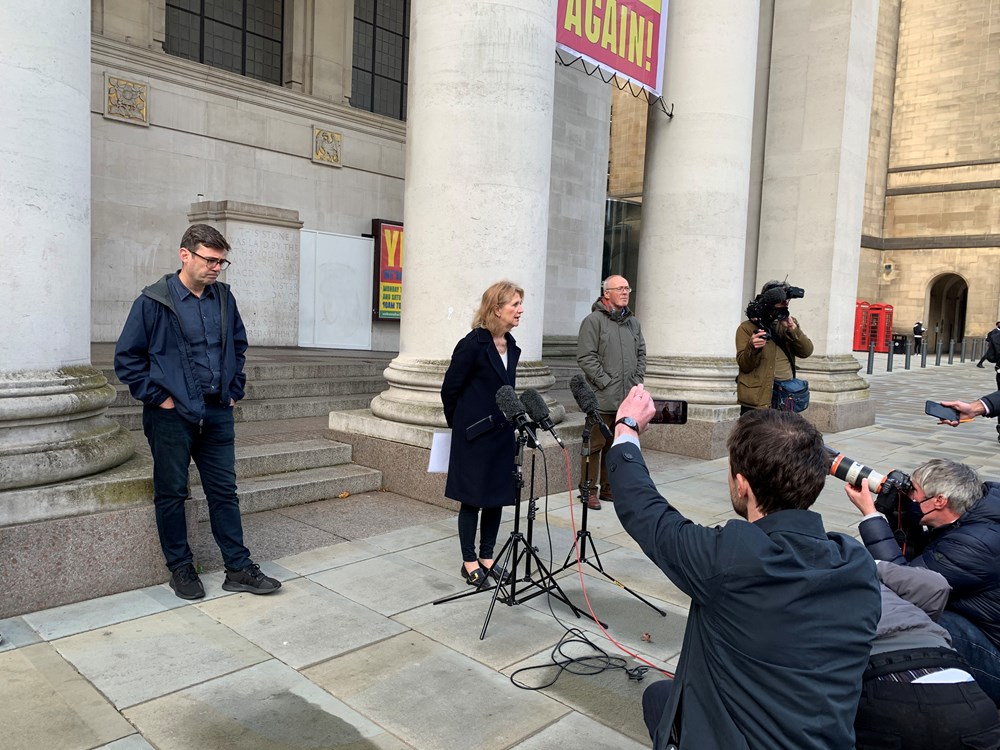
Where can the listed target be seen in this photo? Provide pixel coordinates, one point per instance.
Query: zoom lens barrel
(851, 472)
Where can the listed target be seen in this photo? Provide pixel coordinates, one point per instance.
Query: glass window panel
(192, 6)
(387, 97)
(365, 10)
(264, 18)
(390, 15)
(227, 11)
(388, 54)
(223, 46)
(263, 59)
(361, 89)
(183, 33)
(363, 49)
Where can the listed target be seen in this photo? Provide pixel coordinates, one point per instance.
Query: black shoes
(980, 365)
(501, 574)
(475, 578)
(251, 580)
(185, 582)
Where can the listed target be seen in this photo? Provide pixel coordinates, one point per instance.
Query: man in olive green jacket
(761, 347)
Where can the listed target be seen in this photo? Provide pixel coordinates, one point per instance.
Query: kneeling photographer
(961, 542)
(917, 692)
(767, 344)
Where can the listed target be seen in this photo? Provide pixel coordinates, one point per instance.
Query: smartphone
(669, 412)
(941, 412)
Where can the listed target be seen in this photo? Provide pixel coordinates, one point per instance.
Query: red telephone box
(872, 323)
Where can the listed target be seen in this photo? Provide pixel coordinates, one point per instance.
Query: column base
(414, 393)
(402, 451)
(841, 399)
(53, 426)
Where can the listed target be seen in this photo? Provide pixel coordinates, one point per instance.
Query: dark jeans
(654, 703)
(174, 442)
(978, 650)
(914, 716)
(468, 519)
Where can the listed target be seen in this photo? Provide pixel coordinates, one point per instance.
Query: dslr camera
(892, 499)
(762, 310)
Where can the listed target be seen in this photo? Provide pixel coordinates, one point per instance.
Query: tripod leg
(599, 567)
(509, 550)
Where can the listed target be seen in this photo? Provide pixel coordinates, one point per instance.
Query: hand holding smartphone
(934, 409)
(669, 412)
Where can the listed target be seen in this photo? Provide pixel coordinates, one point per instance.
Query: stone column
(819, 107)
(694, 218)
(476, 201)
(52, 402)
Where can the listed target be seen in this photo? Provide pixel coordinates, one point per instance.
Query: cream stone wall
(881, 119)
(934, 208)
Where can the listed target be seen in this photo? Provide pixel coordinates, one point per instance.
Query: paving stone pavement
(352, 652)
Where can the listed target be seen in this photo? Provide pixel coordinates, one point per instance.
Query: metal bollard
(951, 351)
(938, 348)
(888, 359)
(963, 352)
(871, 358)
(975, 349)
(923, 356)
(909, 353)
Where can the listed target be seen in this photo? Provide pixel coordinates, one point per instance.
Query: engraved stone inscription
(265, 279)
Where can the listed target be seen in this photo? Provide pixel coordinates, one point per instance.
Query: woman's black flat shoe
(475, 578)
(498, 572)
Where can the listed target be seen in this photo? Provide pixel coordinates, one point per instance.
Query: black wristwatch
(628, 422)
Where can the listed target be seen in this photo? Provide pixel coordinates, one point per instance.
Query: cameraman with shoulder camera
(767, 344)
(963, 545)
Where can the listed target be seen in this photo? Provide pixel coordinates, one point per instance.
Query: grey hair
(604, 284)
(959, 483)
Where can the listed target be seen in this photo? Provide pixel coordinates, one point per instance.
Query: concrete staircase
(284, 454)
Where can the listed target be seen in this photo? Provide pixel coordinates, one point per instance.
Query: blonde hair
(496, 296)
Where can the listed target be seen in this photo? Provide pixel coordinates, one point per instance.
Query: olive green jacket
(756, 378)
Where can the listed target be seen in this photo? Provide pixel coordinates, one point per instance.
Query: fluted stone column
(694, 218)
(52, 402)
(476, 201)
(812, 203)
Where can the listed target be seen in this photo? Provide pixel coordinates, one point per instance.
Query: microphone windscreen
(583, 394)
(509, 403)
(773, 296)
(535, 405)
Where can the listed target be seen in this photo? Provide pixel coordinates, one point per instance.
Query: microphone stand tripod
(511, 554)
(583, 534)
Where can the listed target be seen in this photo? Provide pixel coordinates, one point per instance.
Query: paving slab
(132, 742)
(576, 730)
(135, 661)
(331, 556)
(301, 624)
(389, 584)
(59, 622)
(392, 684)
(47, 704)
(269, 706)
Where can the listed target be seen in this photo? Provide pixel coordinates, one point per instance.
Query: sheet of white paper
(440, 452)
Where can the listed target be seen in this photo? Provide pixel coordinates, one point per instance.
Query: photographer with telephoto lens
(962, 543)
(767, 343)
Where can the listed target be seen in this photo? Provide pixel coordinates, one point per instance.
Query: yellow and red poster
(625, 37)
(388, 268)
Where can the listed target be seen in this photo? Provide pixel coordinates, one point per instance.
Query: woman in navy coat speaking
(481, 465)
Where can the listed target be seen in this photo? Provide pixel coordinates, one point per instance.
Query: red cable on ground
(583, 585)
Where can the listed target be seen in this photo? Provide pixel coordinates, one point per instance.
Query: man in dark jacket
(782, 612)
(612, 354)
(181, 354)
(963, 545)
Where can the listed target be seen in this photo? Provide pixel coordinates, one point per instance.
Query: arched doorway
(949, 295)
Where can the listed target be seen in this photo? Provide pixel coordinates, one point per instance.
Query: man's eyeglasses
(222, 263)
(619, 289)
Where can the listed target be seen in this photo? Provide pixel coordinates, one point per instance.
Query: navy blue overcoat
(481, 466)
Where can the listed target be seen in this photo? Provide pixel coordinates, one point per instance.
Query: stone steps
(291, 388)
(283, 458)
(333, 369)
(297, 487)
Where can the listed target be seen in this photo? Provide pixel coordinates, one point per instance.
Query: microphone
(514, 411)
(587, 402)
(539, 413)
